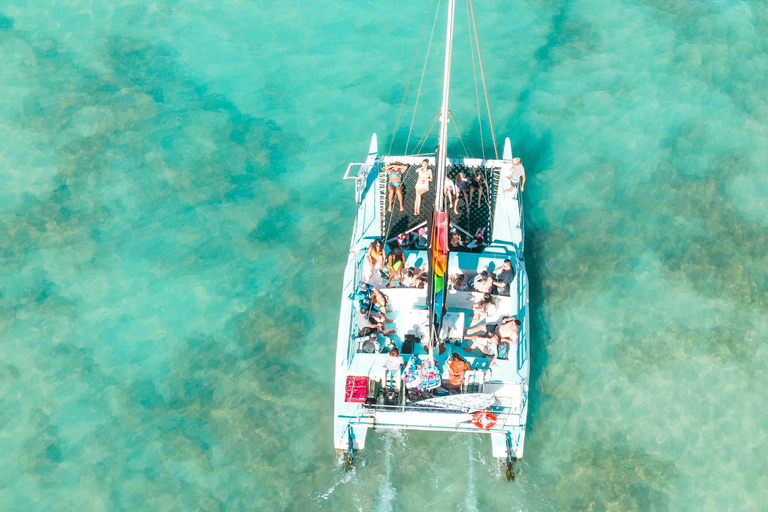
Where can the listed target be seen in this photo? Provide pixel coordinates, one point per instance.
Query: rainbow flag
(438, 268)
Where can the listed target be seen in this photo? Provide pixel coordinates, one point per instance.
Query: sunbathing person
(395, 264)
(481, 307)
(487, 344)
(482, 282)
(374, 258)
(395, 172)
(422, 185)
(509, 330)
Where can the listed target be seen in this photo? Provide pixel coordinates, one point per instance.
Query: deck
(467, 221)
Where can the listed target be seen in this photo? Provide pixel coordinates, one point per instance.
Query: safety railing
(522, 283)
(349, 168)
(352, 348)
(366, 415)
(360, 178)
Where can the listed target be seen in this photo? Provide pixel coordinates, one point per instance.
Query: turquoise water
(173, 231)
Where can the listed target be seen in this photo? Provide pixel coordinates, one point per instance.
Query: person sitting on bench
(457, 366)
(372, 323)
(509, 330)
(503, 278)
(487, 344)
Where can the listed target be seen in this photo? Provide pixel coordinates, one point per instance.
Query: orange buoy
(484, 419)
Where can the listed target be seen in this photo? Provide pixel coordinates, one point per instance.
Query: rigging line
(474, 74)
(423, 140)
(410, 77)
(482, 75)
(423, 72)
(461, 139)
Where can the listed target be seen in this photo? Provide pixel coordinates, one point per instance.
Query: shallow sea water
(173, 230)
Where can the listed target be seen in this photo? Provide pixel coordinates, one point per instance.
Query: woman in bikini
(422, 185)
(395, 172)
(480, 185)
(395, 264)
(462, 183)
(374, 258)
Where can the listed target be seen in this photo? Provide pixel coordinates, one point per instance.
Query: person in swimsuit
(487, 343)
(422, 185)
(395, 264)
(479, 185)
(374, 258)
(450, 191)
(509, 330)
(395, 172)
(462, 183)
(411, 277)
(481, 307)
(483, 282)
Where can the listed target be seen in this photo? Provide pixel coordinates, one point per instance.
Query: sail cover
(438, 262)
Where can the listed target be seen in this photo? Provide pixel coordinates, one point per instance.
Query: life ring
(484, 419)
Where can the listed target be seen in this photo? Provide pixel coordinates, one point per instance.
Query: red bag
(356, 390)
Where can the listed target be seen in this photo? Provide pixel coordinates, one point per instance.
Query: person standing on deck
(422, 185)
(374, 258)
(396, 265)
(517, 175)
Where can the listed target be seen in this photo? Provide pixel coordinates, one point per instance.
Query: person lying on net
(422, 185)
(395, 172)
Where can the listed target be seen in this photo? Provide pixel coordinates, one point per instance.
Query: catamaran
(443, 382)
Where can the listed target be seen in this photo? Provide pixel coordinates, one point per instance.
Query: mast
(442, 147)
(438, 246)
